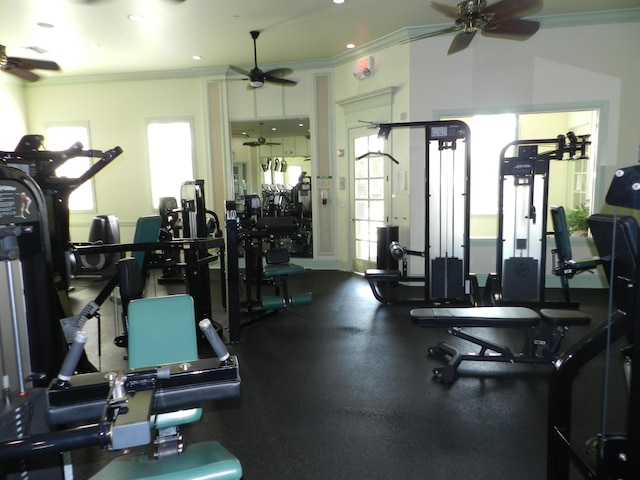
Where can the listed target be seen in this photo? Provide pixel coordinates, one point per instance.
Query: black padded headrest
(130, 280)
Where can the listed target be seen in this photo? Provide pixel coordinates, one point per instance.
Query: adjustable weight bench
(544, 329)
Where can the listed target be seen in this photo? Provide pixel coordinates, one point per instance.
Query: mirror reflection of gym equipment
(264, 245)
(446, 225)
(272, 175)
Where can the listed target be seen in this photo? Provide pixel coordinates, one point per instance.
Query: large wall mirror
(272, 174)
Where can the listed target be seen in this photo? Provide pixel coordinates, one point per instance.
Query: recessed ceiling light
(196, 57)
(351, 45)
(134, 17)
(338, 1)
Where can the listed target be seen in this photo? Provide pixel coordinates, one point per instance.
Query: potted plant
(577, 220)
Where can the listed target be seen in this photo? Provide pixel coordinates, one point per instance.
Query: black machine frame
(250, 241)
(524, 168)
(617, 454)
(445, 134)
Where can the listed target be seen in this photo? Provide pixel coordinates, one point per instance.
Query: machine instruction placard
(15, 203)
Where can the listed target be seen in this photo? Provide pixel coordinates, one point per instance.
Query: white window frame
(162, 158)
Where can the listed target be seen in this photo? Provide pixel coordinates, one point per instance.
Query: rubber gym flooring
(343, 389)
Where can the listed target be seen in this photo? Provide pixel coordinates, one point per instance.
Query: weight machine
(446, 225)
(264, 238)
(522, 221)
(117, 411)
(616, 455)
(33, 346)
(40, 164)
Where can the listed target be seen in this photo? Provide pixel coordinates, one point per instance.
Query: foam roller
(300, 299)
(272, 303)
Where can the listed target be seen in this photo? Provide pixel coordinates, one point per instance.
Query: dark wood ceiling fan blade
(514, 29)
(27, 75)
(278, 72)
(30, 63)
(507, 9)
(461, 41)
(280, 81)
(239, 70)
(447, 10)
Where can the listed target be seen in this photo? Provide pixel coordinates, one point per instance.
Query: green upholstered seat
(278, 269)
(195, 463)
(566, 267)
(562, 239)
(162, 330)
(147, 231)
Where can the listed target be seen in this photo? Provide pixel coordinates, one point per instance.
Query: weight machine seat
(475, 317)
(566, 264)
(147, 231)
(278, 270)
(194, 463)
(162, 330)
(568, 318)
(278, 264)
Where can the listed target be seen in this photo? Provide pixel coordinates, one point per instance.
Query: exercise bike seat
(475, 317)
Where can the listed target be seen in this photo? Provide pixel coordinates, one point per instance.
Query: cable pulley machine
(446, 222)
(522, 221)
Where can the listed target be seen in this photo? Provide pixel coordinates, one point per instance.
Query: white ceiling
(218, 30)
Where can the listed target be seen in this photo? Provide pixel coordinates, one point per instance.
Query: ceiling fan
(260, 141)
(21, 67)
(501, 19)
(257, 77)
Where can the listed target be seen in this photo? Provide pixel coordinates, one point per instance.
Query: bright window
(570, 182)
(170, 157)
(61, 137)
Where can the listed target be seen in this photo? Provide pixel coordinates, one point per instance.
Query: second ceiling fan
(501, 19)
(260, 141)
(257, 77)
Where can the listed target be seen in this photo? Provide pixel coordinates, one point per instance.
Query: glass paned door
(369, 199)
